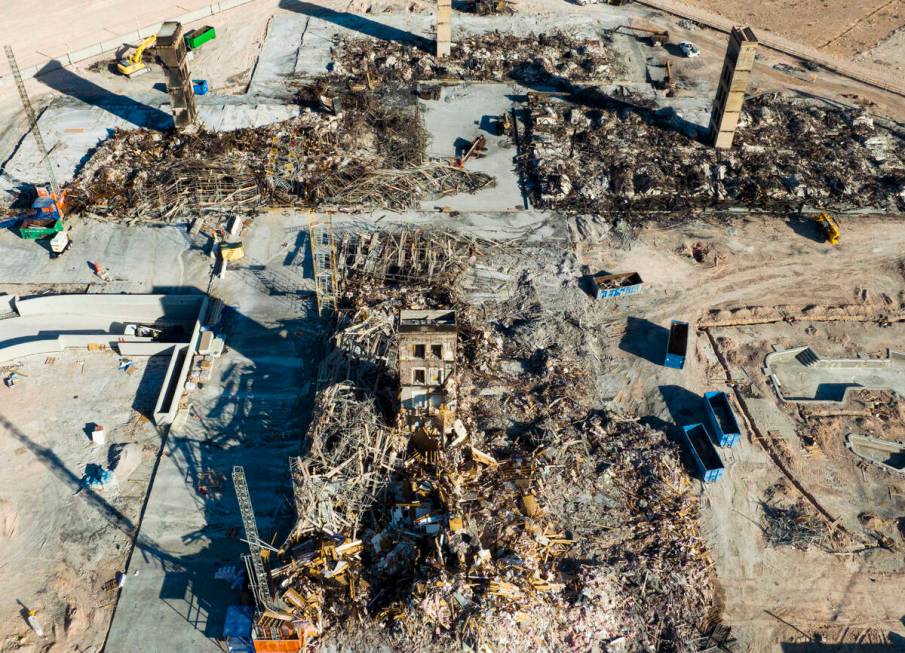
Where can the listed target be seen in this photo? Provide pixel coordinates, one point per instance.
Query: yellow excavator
(830, 228)
(133, 65)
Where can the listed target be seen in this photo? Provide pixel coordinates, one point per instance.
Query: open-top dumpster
(721, 418)
(677, 345)
(705, 455)
(195, 38)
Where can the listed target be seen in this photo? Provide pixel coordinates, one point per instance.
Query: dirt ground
(61, 542)
(842, 27)
(767, 262)
(72, 541)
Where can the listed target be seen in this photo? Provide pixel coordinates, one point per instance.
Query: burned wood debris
(422, 255)
(371, 155)
(493, 56)
(506, 511)
(792, 525)
(787, 520)
(787, 153)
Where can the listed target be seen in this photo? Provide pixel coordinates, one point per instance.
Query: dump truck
(721, 419)
(655, 37)
(706, 457)
(676, 345)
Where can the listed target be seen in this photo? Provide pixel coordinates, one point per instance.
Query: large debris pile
(786, 153)
(492, 56)
(371, 154)
(538, 522)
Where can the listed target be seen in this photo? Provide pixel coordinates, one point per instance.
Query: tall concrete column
(444, 27)
(730, 95)
(172, 50)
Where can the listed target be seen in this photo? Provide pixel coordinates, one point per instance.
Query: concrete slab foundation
(804, 376)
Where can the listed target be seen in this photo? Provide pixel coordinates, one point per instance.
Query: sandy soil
(841, 27)
(753, 262)
(70, 540)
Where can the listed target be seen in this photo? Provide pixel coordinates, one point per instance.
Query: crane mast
(33, 119)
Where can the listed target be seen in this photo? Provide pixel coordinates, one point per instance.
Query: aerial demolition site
(461, 329)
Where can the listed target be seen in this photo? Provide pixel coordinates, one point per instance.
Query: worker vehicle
(655, 37)
(133, 64)
(830, 228)
(690, 50)
(59, 244)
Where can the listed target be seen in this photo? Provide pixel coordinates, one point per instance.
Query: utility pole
(33, 119)
(251, 534)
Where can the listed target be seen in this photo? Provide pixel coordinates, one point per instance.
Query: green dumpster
(198, 37)
(36, 228)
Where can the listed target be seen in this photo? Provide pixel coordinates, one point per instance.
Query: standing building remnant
(172, 50)
(730, 95)
(444, 27)
(427, 352)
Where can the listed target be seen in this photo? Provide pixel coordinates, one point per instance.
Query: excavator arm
(133, 64)
(144, 45)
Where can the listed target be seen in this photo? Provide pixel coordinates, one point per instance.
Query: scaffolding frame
(323, 262)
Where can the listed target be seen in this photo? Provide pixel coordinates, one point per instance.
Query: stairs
(807, 357)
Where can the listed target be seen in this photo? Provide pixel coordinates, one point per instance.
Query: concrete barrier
(173, 386)
(141, 309)
(177, 372)
(143, 348)
(59, 344)
(38, 315)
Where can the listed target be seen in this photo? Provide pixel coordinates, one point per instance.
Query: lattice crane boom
(33, 119)
(251, 534)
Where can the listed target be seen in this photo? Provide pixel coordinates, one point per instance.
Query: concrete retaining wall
(142, 309)
(177, 372)
(143, 348)
(47, 346)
